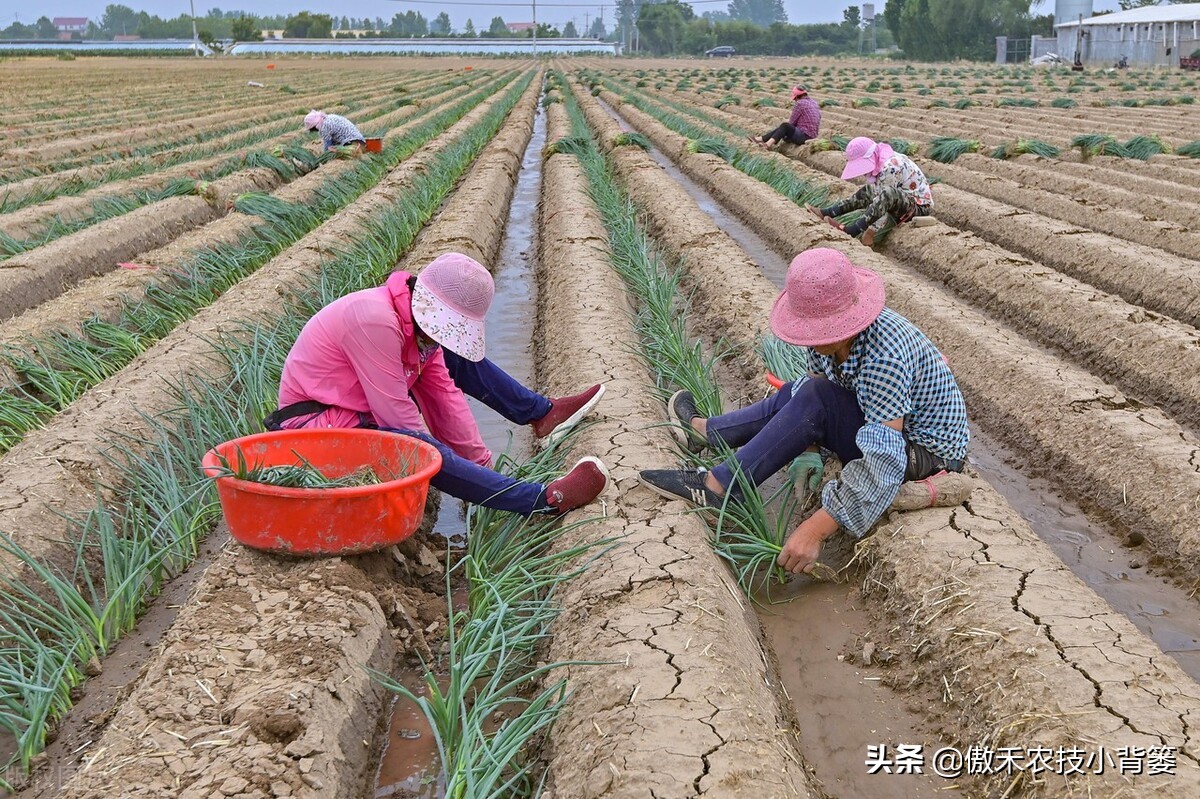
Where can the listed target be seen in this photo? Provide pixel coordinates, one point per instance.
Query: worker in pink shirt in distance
(802, 125)
(400, 356)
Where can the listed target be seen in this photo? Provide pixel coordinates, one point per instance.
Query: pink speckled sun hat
(865, 157)
(451, 297)
(313, 119)
(826, 299)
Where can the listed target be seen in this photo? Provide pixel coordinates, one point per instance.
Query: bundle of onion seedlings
(301, 474)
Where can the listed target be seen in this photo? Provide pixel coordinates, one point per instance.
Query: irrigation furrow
(690, 712)
(197, 266)
(31, 278)
(278, 671)
(192, 159)
(1024, 638)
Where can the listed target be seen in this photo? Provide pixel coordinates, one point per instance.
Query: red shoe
(566, 412)
(577, 487)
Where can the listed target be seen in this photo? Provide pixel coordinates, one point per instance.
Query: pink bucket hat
(798, 91)
(865, 157)
(313, 119)
(826, 299)
(449, 301)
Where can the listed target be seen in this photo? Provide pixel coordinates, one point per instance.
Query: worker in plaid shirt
(879, 396)
(801, 126)
(335, 130)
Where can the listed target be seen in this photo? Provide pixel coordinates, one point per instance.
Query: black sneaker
(681, 484)
(682, 410)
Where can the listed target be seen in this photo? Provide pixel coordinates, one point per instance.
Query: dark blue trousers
(466, 480)
(770, 433)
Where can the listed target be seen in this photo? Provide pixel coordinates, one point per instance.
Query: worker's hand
(807, 469)
(800, 551)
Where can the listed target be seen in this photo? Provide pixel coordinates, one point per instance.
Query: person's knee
(819, 391)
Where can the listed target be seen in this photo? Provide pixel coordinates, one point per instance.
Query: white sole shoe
(564, 427)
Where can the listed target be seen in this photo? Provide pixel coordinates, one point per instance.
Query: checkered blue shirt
(337, 130)
(896, 372)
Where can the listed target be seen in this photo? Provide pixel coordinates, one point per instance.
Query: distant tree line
(752, 27)
(943, 30)
(928, 30)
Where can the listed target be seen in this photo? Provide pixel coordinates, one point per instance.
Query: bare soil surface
(685, 709)
(917, 308)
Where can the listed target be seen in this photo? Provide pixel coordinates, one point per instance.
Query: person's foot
(565, 413)
(682, 410)
(868, 237)
(816, 212)
(682, 484)
(578, 487)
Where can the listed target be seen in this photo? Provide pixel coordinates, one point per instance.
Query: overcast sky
(799, 11)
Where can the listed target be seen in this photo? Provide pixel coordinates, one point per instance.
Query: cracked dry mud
(1035, 651)
(686, 708)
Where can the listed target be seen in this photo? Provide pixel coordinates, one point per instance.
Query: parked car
(724, 51)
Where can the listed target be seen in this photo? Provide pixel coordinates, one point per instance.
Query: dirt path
(686, 710)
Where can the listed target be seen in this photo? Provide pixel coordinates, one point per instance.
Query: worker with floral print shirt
(896, 190)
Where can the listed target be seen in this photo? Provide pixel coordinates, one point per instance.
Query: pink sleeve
(373, 351)
(445, 409)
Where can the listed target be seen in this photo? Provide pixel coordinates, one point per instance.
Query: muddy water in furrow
(508, 332)
(1116, 572)
(408, 768)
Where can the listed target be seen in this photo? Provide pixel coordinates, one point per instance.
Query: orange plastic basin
(374, 145)
(331, 521)
(775, 382)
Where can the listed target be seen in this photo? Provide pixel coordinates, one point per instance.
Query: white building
(1147, 36)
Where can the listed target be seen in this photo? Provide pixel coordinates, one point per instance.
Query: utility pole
(587, 29)
(195, 36)
(534, 29)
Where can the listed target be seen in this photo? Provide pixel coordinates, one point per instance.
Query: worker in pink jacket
(400, 357)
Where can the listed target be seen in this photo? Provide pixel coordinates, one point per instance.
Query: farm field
(167, 228)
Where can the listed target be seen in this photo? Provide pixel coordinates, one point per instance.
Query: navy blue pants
(467, 480)
(770, 433)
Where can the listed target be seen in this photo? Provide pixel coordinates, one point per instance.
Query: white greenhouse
(1146, 36)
